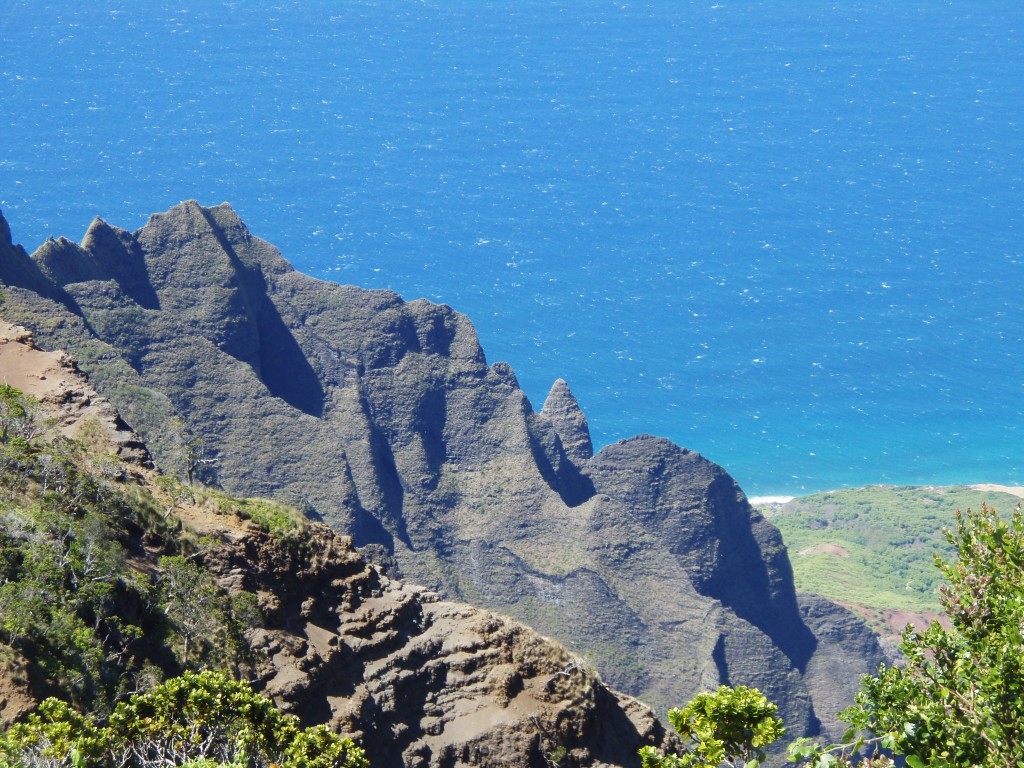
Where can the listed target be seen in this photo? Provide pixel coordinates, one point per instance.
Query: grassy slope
(874, 546)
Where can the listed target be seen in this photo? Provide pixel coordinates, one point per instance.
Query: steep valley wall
(384, 419)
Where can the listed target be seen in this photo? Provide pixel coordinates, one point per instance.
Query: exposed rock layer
(384, 419)
(416, 680)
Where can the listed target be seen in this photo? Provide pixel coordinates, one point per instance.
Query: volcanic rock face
(383, 419)
(563, 411)
(418, 681)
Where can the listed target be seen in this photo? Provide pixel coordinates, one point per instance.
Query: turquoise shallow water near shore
(786, 235)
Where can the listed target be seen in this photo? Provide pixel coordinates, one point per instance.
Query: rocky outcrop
(6, 240)
(846, 646)
(18, 268)
(563, 411)
(384, 419)
(419, 681)
(67, 404)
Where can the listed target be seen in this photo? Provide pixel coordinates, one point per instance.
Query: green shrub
(720, 727)
(198, 719)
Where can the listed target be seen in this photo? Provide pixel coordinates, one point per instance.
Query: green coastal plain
(874, 547)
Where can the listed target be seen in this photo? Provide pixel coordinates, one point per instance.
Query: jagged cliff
(417, 680)
(382, 418)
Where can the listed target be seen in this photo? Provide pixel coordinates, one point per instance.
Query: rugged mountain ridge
(417, 680)
(383, 418)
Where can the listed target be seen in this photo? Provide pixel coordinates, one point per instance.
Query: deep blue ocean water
(788, 235)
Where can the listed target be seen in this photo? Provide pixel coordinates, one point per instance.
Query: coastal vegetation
(89, 624)
(873, 547)
(104, 608)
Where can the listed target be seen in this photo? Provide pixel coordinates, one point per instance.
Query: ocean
(785, 235)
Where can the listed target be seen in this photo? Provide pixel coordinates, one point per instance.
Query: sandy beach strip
(778, 501)
(1013, 490)
(766, 501)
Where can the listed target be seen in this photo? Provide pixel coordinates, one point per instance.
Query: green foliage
(90, 628)
(63, 569)
(17, 418)
(805, 750)
(54, 735)
(189, 454)
(873, 546)
(279, 520)
(70, 606)
(317, 747)
(193, 603)
(202, 718)
(960, 699)
(719, 727)
(208, 622)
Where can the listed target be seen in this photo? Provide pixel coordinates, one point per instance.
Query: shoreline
(1013, 490)
(781, 499)
(768, 501)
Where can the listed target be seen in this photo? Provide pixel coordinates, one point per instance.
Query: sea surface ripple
(786, 235)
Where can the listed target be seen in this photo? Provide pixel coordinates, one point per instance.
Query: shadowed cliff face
(384, 419)
(18, 268)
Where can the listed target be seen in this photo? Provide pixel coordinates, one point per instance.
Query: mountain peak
(17, 267)
(65, 262)
(116, 255)
(98, 231)
(563, 411)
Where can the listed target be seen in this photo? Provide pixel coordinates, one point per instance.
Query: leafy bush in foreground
(199, 719)
(720, 727)
(960, 699)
